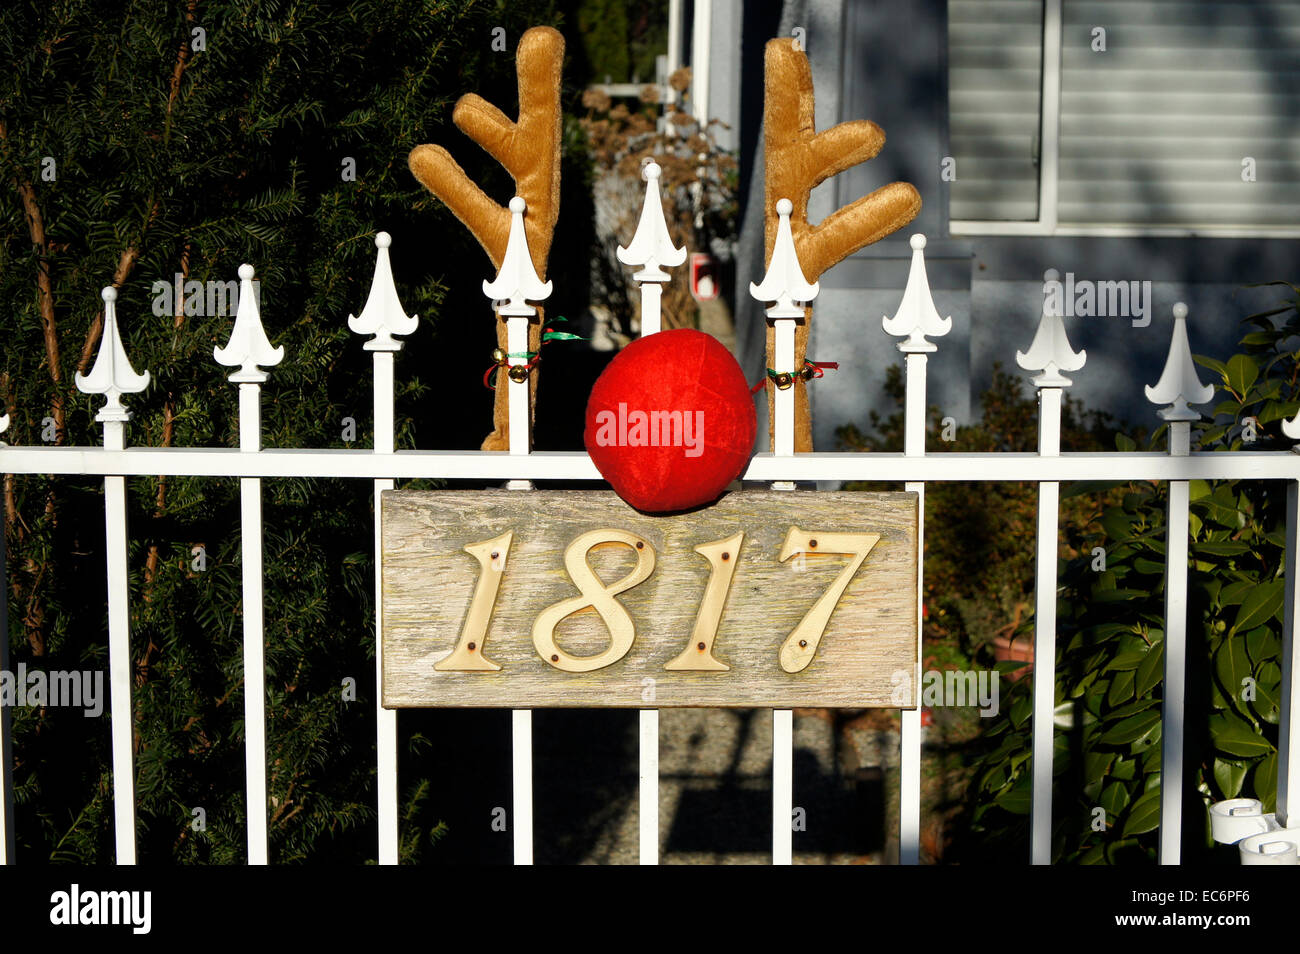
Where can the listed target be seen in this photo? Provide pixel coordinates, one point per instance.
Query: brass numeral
(801, 645)
(468, 654)
(698, 654)
(595, 595)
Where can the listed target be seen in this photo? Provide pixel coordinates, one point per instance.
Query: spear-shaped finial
(112, 375)
(248, 346)
(1050, 351)
(383, 316)
(4, 426)
(1291, 428)
(784, 282)
(651, 245)
(1179, 385)
(917, 316)
(517, 282)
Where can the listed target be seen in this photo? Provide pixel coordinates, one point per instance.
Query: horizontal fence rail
(1112, 467)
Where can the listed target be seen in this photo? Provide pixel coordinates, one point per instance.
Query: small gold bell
(518, 373)
(808, 373)
(498, 356)
(784, 380)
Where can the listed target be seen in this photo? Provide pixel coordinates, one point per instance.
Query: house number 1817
(795, 653)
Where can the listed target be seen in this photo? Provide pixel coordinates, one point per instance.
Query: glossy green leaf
(1233, 735)
(1228, 775)
(1241, 373)
(1265, 783)
(1232, 666)
(1115, 799)
(1262, 603)
(1121, 688)
(1144, 814)
(1151, 670)
(1132, 728)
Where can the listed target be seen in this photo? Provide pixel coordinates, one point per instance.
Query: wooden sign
(526, 599)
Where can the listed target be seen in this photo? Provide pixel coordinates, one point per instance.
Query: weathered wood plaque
(527, 599)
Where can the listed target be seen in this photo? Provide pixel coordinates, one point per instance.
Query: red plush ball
(671, 422)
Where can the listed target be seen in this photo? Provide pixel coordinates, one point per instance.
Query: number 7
(801, 645)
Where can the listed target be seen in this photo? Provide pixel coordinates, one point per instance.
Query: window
(1136, 117)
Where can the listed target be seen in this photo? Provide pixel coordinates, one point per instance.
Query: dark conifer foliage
(139, 140)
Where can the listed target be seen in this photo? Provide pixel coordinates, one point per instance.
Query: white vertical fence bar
(7, 842)
(1050, 354)
(385, 719)
(1288, 760)
(248, 347)
(1175, 688)
(700, 46)
(1044, 676)
(113, 376)
(784, 284)
(916, 318)
(383, 317)
(521, 719)
(119, 654)
(782, 786)
(1178, 386)
(516, 284)
(648, 822)
(650, 248)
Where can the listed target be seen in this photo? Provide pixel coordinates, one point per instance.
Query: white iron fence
(1050, 354)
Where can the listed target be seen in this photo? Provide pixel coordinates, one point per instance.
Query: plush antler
(797, 158)
(529, 149)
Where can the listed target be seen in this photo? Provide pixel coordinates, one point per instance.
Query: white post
(700, 40)
(113, 376)
(651, 248)
(119, 652)
(1178, 386)
(250, 530)
(383, 317)
(786, 287)
(1050, 353)
(386, 719)
(909, 769)
(916, 318)
(649, 793)
(248, 347)
(1171, 742)
(1044, 676)
(516, 284)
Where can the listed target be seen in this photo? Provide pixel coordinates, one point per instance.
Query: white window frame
(1049, 167)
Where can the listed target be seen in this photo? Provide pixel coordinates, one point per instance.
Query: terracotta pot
(1021, 650)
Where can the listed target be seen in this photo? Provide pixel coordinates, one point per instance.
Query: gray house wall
(885, 60)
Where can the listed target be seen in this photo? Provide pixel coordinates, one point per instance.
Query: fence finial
(1050, 351)
(4, 426)
(917, 316)
(517, 282)
(383, 316)
(651, 245)
(1290, 428)
(248, 346)
(112, 375)
(1179, 385)
(784, 282)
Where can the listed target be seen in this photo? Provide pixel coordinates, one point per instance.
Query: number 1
(468, 654)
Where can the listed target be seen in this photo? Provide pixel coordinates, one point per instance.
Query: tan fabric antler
(796, 159)
(529, 149)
